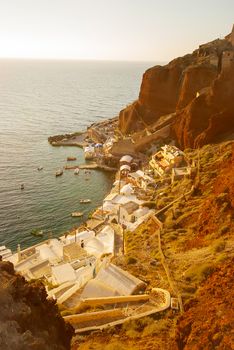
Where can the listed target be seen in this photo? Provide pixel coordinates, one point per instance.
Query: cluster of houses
(170, 161)
(71, 262)
(68, 258)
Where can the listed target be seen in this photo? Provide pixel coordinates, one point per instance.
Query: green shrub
(198, 273)
(169, 223)
(221, 258)
(189, 289)
(155, 327)
(150, 205)
(132, 333)
(227, 155)
(218, 246)
(222, 197)
(161, 203)
(171, 236)
(206, 157)
(181, 230)
(137, 325)
(115, 346)
(224, 207)
(184, 217)
(131, 260)
(224, 229)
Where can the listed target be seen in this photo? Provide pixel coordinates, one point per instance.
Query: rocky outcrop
(188, 86)
(28, 321)
(208, 116)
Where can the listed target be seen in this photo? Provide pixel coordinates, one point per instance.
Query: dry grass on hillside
(197, 239)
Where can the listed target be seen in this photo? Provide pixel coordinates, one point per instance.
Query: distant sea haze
(43, 98)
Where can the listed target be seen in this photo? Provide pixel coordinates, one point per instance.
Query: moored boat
(59, 172)
(85, 200)
(71, 158)
(76, 171)
(77, 214)
(37, 232)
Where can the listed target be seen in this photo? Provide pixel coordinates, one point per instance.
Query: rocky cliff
(28, 321)
(209, 116)
(193, 87)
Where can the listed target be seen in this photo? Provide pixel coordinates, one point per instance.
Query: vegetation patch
(198, 273)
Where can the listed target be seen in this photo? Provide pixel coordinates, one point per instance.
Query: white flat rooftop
(63, 273)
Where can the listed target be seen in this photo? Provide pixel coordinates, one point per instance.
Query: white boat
(85, 200)
(76, 171)
(76, 214)
(59, 172)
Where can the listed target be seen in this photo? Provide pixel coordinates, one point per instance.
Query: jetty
(90, 166)
(76, 139)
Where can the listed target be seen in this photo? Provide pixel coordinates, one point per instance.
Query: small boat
(22, 186)
(40, 168)
(77, 214)
(37, 233)
(59, 172)
(71, 159)
(85, 200)
(76, 171)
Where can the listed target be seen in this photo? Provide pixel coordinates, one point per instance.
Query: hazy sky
(139, 30)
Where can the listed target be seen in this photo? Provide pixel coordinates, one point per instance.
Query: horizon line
(78, 59)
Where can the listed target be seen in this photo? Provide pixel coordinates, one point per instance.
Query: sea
(40, 98)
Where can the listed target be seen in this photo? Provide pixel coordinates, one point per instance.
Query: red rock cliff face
(28, 321)
(173, 89)
(165, 89)
(209, 116)
(158, 95)
(195, 78)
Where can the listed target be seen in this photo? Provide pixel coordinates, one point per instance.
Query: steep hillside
(28, 321)
(198, 245)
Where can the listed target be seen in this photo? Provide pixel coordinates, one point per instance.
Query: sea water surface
(43, 98)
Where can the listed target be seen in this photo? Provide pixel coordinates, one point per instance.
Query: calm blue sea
(43, 98)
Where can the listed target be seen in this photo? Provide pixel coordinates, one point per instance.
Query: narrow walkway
(92, 321)
(165, 266)
(118, 244)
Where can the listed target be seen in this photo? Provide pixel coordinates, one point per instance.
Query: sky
(119, 30)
